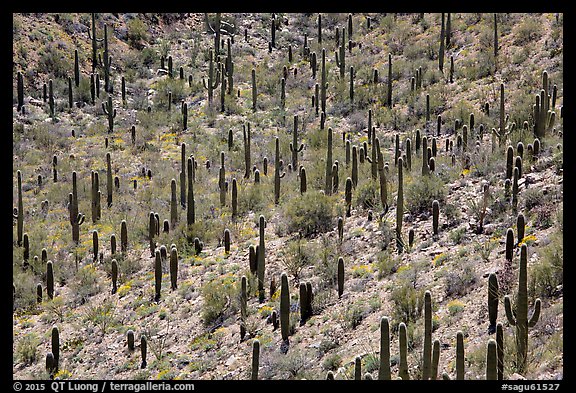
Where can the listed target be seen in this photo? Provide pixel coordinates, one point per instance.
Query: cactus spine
(284, 306)
(261, 260)
(520, 319)
(384, 370)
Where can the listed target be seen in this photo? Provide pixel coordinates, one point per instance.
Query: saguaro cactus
(76, 218)
(435, 216)
(50, 279)
(143, 350)
(303, 180)
(222, 183)
(384, 369)
(152, 232)
(190, 205)
(354, 166)
(329, 163)
(459, 355)
(110, 113)
(55, 341)
(323, 83)
(114, 276)
(500, 350)
(427, 352)
(284, 306)
(389, 93)
(123, 236)
(277, 175)
(173, 268)
(19, 212)
(400, 206)
(255, 358)
(173, 204)
(213, 80)
(254, 91)
(247, 155)
(340, 275)
(493, 295)
(261, 259)
(520, 319)
(294, 148)
(491, 361)
(157, 275)
(348, 196)
(403, 349)
(109, 182)
(234, 199)
(441, 51)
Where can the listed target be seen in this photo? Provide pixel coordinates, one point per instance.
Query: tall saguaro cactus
(493, 294)
(110, 113)
(294, 148)
(427, 353)
(76, 218)
(520, 319)
(441, 51)
(403, 349)
(19, 214)
(261, 259)
(213, 80)
(284, 306)
(384, 369)
(247, 153)
(400, 206)
(255, 358)
(277, 175)
(329, 162)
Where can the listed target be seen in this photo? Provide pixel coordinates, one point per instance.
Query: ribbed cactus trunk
(152, 232)
(493, 295)
(173, 205)
(109, 182)
(190, 204)
(76, 218)
(20, 91)
(277, 175)
(441, 51)
(323, 83)
(329, 163)
(284, 306)
(247, 153)
(521, 320)
(20, 217)
(340, 276)
(389, 93)
(400, 207)
(491, 361)
(354, 175)
(173, 268)
(254, 91)
(459, 355)
(255, 359)
(261, 260)
(403, 349)
(427, 349)
(294, 148)
(384, 369)
(157, 275)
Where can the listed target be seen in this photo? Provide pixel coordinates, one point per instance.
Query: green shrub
(217, 294)
(27, 348)
(367, 194)
(137, 31)
(421, 192)
(309, 214)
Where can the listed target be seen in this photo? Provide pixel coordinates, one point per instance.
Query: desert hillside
(287, 196)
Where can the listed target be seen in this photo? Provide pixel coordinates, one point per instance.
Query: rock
(230, 361)
(516, 377)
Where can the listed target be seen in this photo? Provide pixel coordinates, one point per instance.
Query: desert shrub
(85, 284)
(406, 300)
(387, 263)
(53, 61)
(420, 193)
(297, 257)
(218, 294)
(309, 214)
(27, 348)
(367, 195)
(137, 31)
